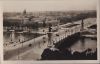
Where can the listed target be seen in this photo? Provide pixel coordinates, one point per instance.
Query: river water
(18, 37)
(80, 45)
(84, 44)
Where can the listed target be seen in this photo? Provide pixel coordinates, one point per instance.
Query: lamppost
(82, 25)
(50, 36)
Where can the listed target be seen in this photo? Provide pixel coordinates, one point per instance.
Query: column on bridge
(12, 36)
(78, 29)
(68, 32)
(73, 30)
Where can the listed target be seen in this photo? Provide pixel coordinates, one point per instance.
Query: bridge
(63, 32)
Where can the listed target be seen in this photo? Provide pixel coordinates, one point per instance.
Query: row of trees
(77, 17)
(62, 19)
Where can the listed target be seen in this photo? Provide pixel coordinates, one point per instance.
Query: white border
(1, 33)
(51, 62)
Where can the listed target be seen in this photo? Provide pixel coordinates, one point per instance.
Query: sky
(48, 5)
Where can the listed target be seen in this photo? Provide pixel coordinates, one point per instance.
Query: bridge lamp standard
(50, 43)
(66, 32)
(82, 17)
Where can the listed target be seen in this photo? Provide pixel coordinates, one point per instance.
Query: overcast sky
(48, 5)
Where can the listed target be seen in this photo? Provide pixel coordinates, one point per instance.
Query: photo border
(50, 61)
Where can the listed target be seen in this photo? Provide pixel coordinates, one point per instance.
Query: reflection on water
(18, 37)
(83, 49)
(84, 44)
